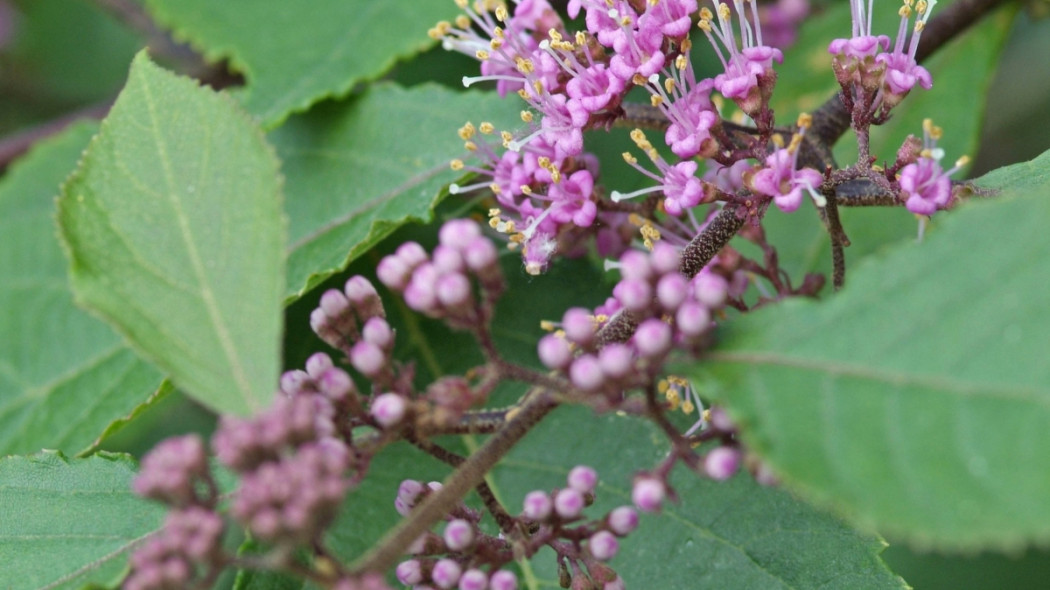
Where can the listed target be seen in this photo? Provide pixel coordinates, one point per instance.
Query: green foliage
(913, 403)
(174, 228)
(292, 57)
(358, 170)
(910, 399)
(735, 534)
(65, 522)
(64, 376)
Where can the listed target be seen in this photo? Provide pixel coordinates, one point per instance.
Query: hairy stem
(391, 547)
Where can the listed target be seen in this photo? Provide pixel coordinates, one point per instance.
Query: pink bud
(603, 545)
(388, 409)
(648, 494)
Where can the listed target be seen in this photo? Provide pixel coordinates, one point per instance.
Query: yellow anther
(481, 54)
(778, 140)
(501, 13)
(486, 127)
(669, 84)
(466, 131)
(526, 189)
(494, 212)
(662, 386)
(527, 116)
(688, 407)
(905, 11)
(804, 120)
(920, 7)
(496, 44)
(636, 220)
(581, 38)
(681, 62)
(506, 136)
(462, 4)
(463, 21)
(723, 12)
(656, 100)
(547, 325)
(496, 190)
(470, 146)
(456, 164)
(686, 45)
(554, 35)
(705, 14)
(523, 94)
(962, 161)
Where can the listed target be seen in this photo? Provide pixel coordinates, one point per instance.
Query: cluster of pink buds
(464, 556)
(440, 285)
(671, 311)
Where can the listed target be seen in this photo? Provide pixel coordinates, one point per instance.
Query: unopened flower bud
(388, 409)
(503, 580)
(603, 545)
(446, 573)
(554, 352)
(623, 520)
(459, 534)
(583, 479)
(537, 506)
(721, 463)
(568, 503)
(409, 572)
(648, 494)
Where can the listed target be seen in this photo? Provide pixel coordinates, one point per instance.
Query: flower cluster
(544, 182)
(873, 76)
(466, 557)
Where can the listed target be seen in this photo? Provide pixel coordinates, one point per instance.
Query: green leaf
(358, 170)
(174, 230)
(65, 522)
(294, 55)
(734, 534)
(64, 376)
(963, 68)
(917, 400)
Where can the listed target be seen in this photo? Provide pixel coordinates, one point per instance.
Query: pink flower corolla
(782, 180)
(687, 104)
(681, 188)
(925, 186)
(603, 18)
(561, 126)
(594, 87)
(862, 44)
(673, 18)
(572, 200)
(902, 71)
(638, 51)
(745, 67)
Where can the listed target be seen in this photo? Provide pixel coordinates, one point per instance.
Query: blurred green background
(60, 59)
